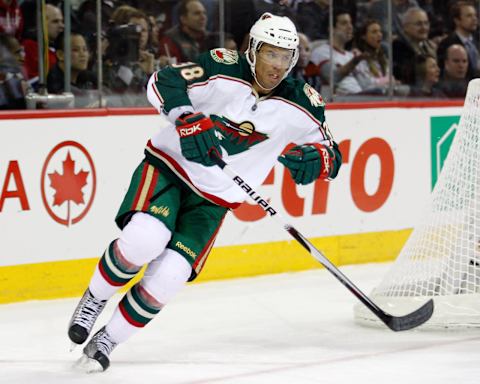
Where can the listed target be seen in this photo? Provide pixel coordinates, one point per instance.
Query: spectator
(55, 26)
(345, 61)
(349, 5)
(154, 35)
(160, 15)
(436, 15)
(465, 19)
(11, 44)
(83, 82)
(11, 18)
(454, 79)
(239, 16)
(28, 8)
(413, 43)
(161, 12)
(275, 7)
(427, 75)
(305, 70)
(230, 42)
(312, 18)
(128, 62)
(86, 17)
(126, 15)
(13, 86)
(190, 37)
(372, 72)
(379, 11)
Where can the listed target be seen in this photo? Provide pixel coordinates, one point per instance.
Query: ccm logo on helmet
(286, 38)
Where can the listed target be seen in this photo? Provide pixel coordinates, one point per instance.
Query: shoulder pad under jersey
(227, 62)
(303, 95)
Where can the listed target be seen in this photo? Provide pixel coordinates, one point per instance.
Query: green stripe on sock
(133, 313)
(112, 274)
(141, 303)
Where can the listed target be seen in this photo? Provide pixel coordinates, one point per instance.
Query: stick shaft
(304, 242)
(396, 323)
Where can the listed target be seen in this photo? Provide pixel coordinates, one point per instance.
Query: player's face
(271, 64)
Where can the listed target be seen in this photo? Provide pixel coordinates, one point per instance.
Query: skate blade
(88, 365)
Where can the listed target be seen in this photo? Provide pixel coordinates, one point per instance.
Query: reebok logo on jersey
(185, 249)
(190, 130)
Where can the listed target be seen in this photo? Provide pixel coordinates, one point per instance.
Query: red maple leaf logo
(68, 186)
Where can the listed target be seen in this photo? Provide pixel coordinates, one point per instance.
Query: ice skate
(96, 352)
(85, 315)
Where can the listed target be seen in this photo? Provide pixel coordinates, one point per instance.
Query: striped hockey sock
(132, 314)
(110, 274)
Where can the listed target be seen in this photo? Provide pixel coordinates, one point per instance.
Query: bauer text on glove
(197, 138)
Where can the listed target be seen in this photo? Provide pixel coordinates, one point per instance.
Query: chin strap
(261, 86)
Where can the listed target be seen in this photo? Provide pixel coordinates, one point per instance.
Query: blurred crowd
(434, 46)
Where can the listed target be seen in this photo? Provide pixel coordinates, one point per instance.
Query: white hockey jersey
(253, 131)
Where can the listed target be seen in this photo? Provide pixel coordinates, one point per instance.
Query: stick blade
(411, 320)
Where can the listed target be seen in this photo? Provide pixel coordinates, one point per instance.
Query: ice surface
(293, 328)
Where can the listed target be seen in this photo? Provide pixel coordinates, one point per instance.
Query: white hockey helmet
(278, 31)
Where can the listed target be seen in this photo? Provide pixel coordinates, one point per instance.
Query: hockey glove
(308, 162)
(197, 138)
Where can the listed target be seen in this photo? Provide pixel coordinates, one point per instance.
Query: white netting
(441, 259)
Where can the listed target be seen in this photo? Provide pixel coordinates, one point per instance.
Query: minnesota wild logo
(314, 97)
(236, 137)
(225, 56)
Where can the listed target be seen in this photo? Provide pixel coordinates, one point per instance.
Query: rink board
(58, 279)
(63, 175)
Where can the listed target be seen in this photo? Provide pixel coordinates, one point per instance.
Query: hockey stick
(395, 323)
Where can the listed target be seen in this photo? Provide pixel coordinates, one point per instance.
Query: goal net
(441, 259)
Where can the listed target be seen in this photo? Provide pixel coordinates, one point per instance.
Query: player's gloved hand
(308, 162)
(197, 138)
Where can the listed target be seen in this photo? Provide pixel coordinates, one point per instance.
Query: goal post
(441, 258)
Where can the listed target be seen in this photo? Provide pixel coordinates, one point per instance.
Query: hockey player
(242, 108)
